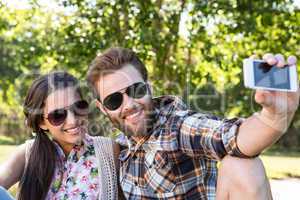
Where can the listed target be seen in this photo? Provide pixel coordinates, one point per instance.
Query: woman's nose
(71, 117)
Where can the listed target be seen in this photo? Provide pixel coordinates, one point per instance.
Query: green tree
(204, 65)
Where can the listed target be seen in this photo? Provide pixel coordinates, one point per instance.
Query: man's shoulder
(169, 105)
(169, 102)
(172, 112)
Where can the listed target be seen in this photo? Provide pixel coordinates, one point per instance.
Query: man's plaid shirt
(179, 158)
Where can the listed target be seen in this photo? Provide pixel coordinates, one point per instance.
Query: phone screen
(271, 77)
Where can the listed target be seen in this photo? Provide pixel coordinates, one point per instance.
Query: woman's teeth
(74, 130)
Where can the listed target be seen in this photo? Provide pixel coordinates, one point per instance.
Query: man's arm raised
(278, 108)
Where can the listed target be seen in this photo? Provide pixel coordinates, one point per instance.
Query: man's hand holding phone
(279, 101)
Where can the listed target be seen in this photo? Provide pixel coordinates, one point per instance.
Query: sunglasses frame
(64, 112)
(127, 91)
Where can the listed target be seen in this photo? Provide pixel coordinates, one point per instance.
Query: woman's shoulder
(27, 148)
(28, 143)
(108, 167)
(102, 140)
(106, 145)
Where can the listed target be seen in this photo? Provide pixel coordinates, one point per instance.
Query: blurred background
(193, 49)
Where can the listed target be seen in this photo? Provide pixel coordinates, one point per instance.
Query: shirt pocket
(159, 174)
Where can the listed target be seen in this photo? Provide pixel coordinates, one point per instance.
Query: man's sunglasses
(115, 100)
(58, 116)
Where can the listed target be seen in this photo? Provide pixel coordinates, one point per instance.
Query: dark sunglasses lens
(57, 117)
(137, 90)
(81, 108)
(113, 101)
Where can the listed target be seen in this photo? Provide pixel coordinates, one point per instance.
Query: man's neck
(139, 140)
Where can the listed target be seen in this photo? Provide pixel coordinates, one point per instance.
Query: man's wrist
(277, 121)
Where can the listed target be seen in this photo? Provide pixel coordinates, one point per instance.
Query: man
(170, 152)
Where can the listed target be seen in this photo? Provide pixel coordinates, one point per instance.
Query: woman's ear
(43, 126)
(99, 105)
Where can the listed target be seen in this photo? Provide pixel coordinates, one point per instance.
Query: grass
(279, 165)
(6, 140)
(6, 151)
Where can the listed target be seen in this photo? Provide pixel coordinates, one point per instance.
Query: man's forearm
(260, 131)
(278, 107)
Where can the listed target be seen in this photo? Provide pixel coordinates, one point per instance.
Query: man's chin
(134, 131)
(139, 129)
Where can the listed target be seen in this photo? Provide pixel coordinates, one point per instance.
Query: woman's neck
(67, 149)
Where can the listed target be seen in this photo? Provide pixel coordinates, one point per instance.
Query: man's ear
(150, 87)
(100, 107)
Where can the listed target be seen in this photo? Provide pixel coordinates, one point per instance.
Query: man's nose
(128, 102)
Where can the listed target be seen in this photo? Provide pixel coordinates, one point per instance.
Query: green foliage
(203, 65)
(6, 140)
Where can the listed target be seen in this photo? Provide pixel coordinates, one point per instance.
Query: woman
(63, 161)
(4, 195)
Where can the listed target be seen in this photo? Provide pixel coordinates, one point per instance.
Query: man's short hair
(114, 59)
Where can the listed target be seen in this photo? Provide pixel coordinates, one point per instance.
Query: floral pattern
(76, 176)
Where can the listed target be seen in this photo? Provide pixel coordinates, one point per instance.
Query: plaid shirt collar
(164, 107)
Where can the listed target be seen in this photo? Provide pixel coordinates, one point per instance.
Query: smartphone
(260, 75)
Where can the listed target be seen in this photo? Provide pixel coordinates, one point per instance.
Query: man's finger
(280, 60)
(270, 59)
(292, 60)
(263, 98)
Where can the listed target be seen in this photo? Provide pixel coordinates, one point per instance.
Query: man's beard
(141, 129)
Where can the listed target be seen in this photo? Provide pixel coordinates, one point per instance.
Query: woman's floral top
(76, 176)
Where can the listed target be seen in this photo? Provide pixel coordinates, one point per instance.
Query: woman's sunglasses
(58, 116)
(115, 100)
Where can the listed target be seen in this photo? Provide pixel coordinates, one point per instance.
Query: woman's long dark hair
(38, 174)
